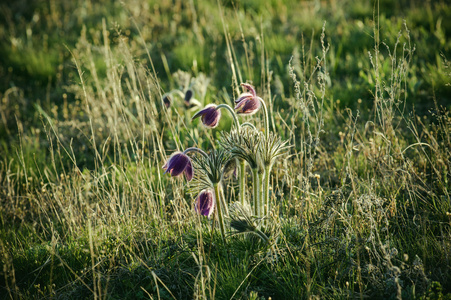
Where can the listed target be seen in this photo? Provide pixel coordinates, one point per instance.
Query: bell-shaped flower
(190, 101)
(167, 101)
(248, 103)
(205, 203)
(209, 115)
(179, 163)
(188, 96)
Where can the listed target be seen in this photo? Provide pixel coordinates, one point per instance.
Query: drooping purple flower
(248, 103)
(205, 203)
(167, 101)
(179, 163)
(188, 96)
(209, 115)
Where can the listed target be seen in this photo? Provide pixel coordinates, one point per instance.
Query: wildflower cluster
(244, 145)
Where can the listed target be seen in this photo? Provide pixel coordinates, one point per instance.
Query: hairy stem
(231, 111)
(249, 125)
(194, 149)
(217, 188)
(242, 181)
(265, 111)
(256, 187)
(262, 235)
(265, 196)
(223, 201)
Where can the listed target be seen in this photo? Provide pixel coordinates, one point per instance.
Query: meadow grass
(360, 203)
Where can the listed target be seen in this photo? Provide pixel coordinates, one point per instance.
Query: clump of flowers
(244, 145)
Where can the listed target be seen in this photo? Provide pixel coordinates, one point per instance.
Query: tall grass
(361, 201)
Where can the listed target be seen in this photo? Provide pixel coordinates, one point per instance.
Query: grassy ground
(360, 90)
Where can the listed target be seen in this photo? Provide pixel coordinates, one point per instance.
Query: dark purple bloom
(167, 101)
(205, 203)
(209, 115)
(179, 163)
(188, 96)
(248, 103)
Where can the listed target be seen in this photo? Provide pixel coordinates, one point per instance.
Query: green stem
(223, 201)
(262, 235)
(242, 162)
(265, 196)
(217, 188)
(194, 149)
(265, 110)
(256, 187)
(231, 111)
(249, 125)
(178, 92)
(242, 181)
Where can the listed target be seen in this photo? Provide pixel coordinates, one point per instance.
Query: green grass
(361, 204)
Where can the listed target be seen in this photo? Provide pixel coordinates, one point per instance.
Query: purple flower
(209, 115)
(205, 203)
(188, 96)
(248, 103)
(179, 163)
(167, 101)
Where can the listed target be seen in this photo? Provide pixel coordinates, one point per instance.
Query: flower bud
(205, 203)
(248, 103)
(209, 115)
(179, 163)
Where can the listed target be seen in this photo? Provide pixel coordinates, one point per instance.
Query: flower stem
(262, 235)
(242, 181)
(265, 196)
(217, 188)
(231, 111)
(265, 110)
(256, 187)
(249, 125)
(194, 149)
(223, 201)
(178, 92)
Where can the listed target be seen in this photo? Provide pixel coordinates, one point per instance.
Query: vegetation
(92, 106)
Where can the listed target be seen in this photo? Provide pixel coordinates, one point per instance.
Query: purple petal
(199, 113)
(167, 101)
(211, 118)
(177, 164)
(189, 171)
(250, 107)
(243, 96)
(205, 203)
(239, 104)
(250, 88)
(188, 95)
